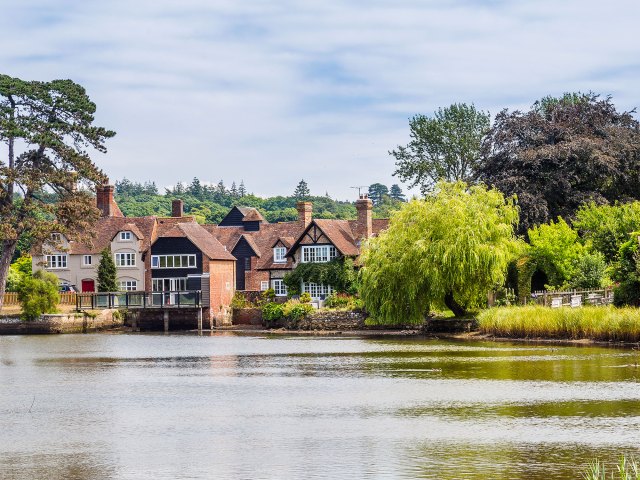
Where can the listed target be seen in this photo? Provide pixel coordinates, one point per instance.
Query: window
(125, 259)
(264, 286)
(169, 284)
(128, 285)
(279, 287)
(87, 260)
(247, 263)
(56, 238)
(317, 290)
(318, 253)
(125, 235)
(279, 255)
(173, 261)
(56, 261)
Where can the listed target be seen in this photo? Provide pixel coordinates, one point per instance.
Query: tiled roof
(108, 227)
(251, 214)
(201, 238)
(249, 239)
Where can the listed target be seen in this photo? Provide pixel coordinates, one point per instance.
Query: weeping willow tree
(449, 249)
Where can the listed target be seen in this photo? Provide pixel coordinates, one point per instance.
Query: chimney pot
(177, 208)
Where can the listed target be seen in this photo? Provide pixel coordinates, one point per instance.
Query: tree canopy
(562, 153)
(450, 248)
(302, 191)
(48, 130)
(107, 273)
(444, 147)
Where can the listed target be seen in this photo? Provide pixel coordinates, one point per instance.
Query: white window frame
(318, 253)
(56, 261)
(279, 287)
(125, 236)
(125, 259)
(316, 290)
(264, 285)
(279, 255)
(163, 261)
(84, 260)
(178, 282)
(128, 285)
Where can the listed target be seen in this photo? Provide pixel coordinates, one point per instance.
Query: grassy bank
(595, 323)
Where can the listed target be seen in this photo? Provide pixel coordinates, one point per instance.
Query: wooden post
(166, 321)
(200, 320)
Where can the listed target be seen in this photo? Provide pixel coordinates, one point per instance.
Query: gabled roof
(249, 239)
(131, 227)
(106, 228)
(201, 238)
(251, 215)
(338, 232)
(285, 241)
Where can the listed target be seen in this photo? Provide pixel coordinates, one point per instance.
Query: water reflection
(229, 406)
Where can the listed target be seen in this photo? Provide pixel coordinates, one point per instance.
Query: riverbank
(88, 321)
(600, 324)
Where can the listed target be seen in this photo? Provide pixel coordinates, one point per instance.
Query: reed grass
(626, 469)
(595, 323)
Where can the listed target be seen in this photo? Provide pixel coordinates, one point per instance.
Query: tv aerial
(359, 188)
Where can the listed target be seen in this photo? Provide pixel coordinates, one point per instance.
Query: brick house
(266, 252)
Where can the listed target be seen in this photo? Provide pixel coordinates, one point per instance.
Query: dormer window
(56, 238)
(126, 235)
(279, 255)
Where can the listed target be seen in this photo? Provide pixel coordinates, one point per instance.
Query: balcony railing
(132, 300)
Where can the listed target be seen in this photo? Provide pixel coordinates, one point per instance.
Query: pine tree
(107, 272)
(242, 191)
(396, 193)
(302, 191)
(221, 188)
(234, 190)
(376, 192)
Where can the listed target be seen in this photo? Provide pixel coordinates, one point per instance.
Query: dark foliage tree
(445, 147)
(562, 153)
(376, 192)
(233, 191)
(396, 193)
(107, 272)
(47, 128)
(242, 191)
(302, 191)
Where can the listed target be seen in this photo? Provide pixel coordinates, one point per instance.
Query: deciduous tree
(48, 130)
(450, 248)
(443, 147)
(562, 153)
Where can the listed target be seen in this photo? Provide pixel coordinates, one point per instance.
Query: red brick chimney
(305, 213)
(177, 208)
(105, 202)
(364, 224)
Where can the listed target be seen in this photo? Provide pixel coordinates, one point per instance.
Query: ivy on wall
(340, 273)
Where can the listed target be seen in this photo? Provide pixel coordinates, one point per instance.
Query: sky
(272, 91)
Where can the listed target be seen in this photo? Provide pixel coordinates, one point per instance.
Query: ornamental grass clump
(626, 469)
(596, 323)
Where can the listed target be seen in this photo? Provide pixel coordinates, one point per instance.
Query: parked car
(68, 288)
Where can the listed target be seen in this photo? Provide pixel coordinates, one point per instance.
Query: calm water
(228, 406)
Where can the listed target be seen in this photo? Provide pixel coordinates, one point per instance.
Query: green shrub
(239, 301)
(305, 297)
(627, 469)
(271, 313)
(342, 300)
(627, 293)
(295, 311)
(38, 294)
(269, 295)
(589, 271)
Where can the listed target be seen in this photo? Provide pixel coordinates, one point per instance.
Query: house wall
(176, 246)
(221, 282)
(233, 218)
(76, 271)
(254, 277)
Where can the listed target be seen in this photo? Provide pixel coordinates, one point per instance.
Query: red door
(88, 286)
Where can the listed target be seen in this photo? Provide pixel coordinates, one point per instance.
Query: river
(230, 406)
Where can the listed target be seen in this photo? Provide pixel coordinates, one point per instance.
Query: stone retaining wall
(330, 320)
(65, 323)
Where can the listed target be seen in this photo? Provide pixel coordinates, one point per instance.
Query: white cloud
(271, 92)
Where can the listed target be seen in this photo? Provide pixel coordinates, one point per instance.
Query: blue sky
(270, 92)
